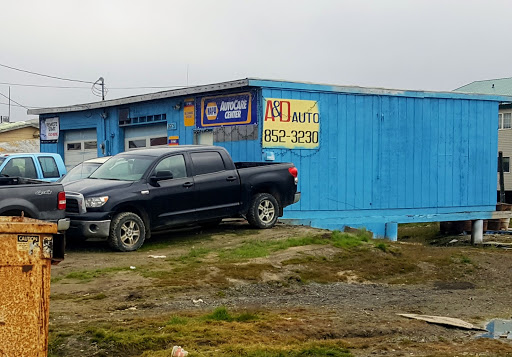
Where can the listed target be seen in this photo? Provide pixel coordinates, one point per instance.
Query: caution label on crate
(28, 243)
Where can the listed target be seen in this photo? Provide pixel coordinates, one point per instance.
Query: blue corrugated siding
(385, 152)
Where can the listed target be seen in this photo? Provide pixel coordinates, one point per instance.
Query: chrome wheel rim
(266, 211)
(130, 233)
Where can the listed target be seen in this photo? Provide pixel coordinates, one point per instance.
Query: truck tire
(127, 232)
(263, 211)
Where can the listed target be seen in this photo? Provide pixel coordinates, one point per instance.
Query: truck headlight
(92, 202)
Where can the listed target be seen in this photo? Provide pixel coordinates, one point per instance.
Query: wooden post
(502, 180)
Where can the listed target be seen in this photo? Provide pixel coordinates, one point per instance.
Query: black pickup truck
(33, 199)
(148, 190)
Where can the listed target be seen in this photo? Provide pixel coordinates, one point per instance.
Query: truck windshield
(123, 168)
(2, 159)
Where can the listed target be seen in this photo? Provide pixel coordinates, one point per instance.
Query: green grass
(258, 248)
(222, 314)
(218, 333)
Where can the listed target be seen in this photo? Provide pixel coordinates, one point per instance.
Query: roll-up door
(145, 136)
(79, 145)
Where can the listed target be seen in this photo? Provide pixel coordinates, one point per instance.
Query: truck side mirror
(160, 175)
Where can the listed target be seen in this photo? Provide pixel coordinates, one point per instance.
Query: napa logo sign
(235, 109)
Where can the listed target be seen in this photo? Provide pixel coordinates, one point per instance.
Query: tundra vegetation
(284, 292)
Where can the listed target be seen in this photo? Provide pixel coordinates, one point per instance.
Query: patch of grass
(86, 276)
(221, 332)
(222, 314)
(258, 248)
(465, 260)
(382, 246)
(349, 240)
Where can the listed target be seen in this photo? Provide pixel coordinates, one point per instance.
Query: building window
(153, 141)
(506, 165)
(160, 141)
(137, 143)
(505, 121)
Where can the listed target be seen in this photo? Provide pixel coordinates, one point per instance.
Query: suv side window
(20, 166)
(175, 164)
(49, 167)
(207, 162)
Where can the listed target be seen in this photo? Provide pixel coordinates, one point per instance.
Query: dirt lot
(288, 291)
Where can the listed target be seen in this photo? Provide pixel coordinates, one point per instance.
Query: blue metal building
(366, 157)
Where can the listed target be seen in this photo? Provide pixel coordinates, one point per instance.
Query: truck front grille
(72, 205)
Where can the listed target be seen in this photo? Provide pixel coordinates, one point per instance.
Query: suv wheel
(127, 232)
(263, 211)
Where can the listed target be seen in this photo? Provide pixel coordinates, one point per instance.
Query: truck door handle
(188, 184)
(231, 178)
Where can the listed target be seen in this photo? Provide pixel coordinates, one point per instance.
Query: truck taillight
(294, 172)
(62, 200)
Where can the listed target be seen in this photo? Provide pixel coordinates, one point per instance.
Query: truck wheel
(263, 211)
(127, 232)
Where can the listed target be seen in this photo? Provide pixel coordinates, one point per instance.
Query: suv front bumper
(90, 229)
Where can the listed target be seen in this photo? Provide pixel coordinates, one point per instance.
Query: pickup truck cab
(148, 190)
(41, 166)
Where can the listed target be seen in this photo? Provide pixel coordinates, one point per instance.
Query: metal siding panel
(454, 147)
(351, 164)
(376, 151)
(473, 154)
(342, 152)
(429, 193)
(433, 152)
(443, 176)
(358, 134)
(411, 148)
(464, 152)
(489, 152)
(329, 124)
(452, 110)
(403, 145)
(481, 176)
(386, 136)
(395, 152)
(368, 148)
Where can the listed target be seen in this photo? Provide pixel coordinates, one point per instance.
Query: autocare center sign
(224, 110)
(291, 124)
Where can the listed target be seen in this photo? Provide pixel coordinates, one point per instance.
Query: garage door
(79, 145)
(145, 136)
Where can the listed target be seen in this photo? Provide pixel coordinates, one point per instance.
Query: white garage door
(145, 136)
(79, 145)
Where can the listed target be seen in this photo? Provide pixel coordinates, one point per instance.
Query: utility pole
(102, 88)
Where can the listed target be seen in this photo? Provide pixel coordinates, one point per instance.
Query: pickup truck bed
(34, 199)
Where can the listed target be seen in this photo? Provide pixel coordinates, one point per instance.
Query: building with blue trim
(367, 157)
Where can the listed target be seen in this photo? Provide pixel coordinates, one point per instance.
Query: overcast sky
(404, 44)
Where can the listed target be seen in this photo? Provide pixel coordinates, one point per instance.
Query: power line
(41, 86)
(71, 87)
(3, 95)
(45, 75)
(15, 105)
